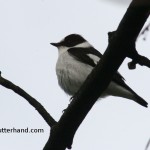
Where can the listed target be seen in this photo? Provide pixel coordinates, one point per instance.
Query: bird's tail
(126, 92)
(140, 101)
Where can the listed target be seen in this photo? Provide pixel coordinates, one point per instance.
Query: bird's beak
(55, 44)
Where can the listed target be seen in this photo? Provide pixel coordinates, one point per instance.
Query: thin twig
(147, 145)
(42, 111)
(139, 59)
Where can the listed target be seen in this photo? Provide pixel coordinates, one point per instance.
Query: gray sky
(28, 60)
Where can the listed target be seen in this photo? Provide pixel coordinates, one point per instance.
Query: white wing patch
(94, 58)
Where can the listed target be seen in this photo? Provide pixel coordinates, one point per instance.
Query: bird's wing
(91, 57)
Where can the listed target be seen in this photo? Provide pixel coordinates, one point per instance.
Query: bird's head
(71, 41)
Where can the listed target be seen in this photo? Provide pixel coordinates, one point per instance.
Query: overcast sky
(27, 59)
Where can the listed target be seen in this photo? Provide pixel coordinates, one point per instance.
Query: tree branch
(7, 84)
(133, 54)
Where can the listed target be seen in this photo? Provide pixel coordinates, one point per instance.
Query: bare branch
(133, 54)
(7, 84)
(141, 60)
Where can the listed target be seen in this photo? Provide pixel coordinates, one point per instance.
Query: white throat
(63, 49)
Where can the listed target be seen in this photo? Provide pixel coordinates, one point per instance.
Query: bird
(76, 59)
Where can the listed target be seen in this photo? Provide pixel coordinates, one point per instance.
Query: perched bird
(77, 57)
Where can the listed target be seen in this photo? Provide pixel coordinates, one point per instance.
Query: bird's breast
(71, 73)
